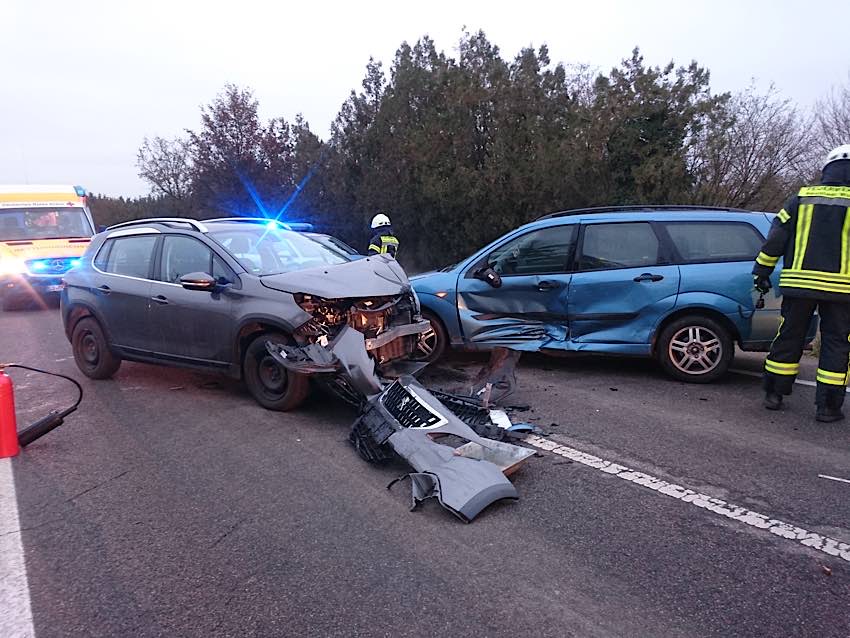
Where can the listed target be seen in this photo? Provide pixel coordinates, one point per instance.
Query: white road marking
(758, 375)
(16, 614)
(775, 526)
(833, 478)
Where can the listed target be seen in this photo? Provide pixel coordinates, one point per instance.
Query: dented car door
(516, 296)
(624, 281)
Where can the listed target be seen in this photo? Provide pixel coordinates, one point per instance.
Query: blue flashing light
(39, 265)
(79, 190)
(76, 262)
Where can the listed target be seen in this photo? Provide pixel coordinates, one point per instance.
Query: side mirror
(198, 281)
(489, 275)
(101, 228)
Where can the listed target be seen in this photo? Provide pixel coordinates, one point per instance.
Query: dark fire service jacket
(384, 242)
(812, 234)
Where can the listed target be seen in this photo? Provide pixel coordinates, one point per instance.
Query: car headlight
(12, 266)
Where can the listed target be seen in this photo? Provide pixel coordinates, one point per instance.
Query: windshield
(265, 251)
(43, 223)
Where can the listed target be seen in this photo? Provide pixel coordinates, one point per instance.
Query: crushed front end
(391, 325)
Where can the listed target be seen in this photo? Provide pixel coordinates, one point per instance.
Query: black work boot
(826, 414)
(773, 401)
(829, 401)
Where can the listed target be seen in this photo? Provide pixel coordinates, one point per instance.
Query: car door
(715, 260)
(528, 311)
(194, 325)
(123, 288)
(623, 284)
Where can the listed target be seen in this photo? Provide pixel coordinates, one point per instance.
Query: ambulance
(44, 230)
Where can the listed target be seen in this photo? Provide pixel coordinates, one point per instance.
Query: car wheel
(695, 349)
(272, 386)
(433, 343)
(91, 350)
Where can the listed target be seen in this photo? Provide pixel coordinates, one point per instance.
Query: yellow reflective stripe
(787, 369)
(831, 378)
(779, 329)
(801, 241)
(783, 216)
(845, 236)
(375, 248)
(838, 192)
(811, 285)
(389, 240)
(766, 260)
(820, 275)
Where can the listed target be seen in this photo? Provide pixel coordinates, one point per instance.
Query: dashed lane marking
(743, 515)
(15, 609)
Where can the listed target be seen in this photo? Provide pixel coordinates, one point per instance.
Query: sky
(84, 81)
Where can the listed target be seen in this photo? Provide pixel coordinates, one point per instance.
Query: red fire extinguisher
(8, 425)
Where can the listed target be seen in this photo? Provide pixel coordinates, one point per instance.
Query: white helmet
(840, 153)
(380, 220)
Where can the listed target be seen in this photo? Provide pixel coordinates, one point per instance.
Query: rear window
(699, 242)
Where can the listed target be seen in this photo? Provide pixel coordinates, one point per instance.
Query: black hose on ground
(52, 420)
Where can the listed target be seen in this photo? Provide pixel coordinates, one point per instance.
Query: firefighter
(812, 235)
(383, 242)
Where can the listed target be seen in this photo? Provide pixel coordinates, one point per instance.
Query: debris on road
(400, 417)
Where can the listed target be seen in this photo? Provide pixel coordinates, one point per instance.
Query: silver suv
(217, 295)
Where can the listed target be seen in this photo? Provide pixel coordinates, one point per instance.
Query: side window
(102, 256)
(540, 252)
(131, 256)
(714, 241)
(623, 245)
(222, 272)
(181, 256)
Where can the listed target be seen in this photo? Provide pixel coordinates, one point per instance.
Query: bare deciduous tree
(832, 117)
(752, 154)
(165, 165)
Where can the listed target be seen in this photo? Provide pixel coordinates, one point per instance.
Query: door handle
(104, 289)
(546, 284)
(648, 276)
(160, 299)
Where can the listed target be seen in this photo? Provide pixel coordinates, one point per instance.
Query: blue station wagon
(671, 282)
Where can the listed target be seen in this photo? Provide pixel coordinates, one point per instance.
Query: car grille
(51, 266)
(406, 408)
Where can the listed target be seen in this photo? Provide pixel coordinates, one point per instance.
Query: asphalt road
(172, 505)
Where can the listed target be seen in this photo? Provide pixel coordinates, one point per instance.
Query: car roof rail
(193, 223)
(664, 208)
(296, 226)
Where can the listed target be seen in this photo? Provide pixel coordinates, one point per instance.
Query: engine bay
(374, 317)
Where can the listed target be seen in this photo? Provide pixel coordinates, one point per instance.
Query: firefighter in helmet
(812, 235)
(383, 241)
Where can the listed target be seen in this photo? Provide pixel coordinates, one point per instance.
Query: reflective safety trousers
(812, 235)
(783, 361)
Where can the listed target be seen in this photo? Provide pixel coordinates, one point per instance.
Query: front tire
(272, 386)
(695, 349)
(433, 343)
(91, 350)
